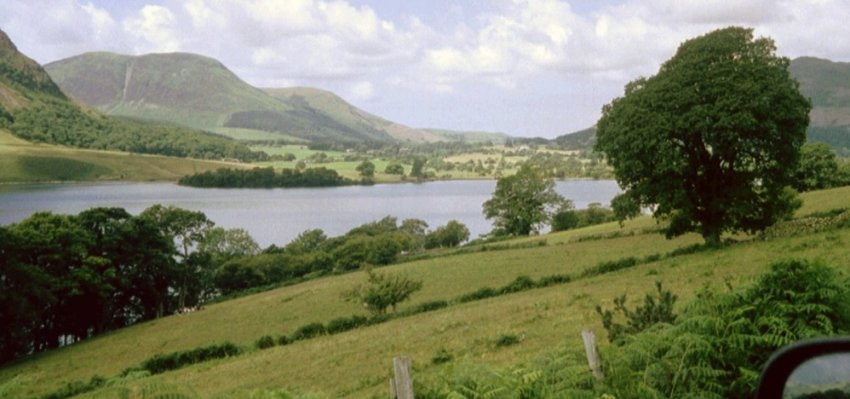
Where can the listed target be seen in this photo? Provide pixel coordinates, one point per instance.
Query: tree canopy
(383, 291)
(711, 141)
(818, 168)
(522, 203)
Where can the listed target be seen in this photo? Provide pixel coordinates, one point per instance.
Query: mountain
(35, 109)
(182, 88)
(334, 111)
(827, 84)
(22, 79)
(202, 93)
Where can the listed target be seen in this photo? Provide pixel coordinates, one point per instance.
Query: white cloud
(295, 39)
(101, 21)
(749, 12)
(363, 91)
(155, 28)
(69, 28)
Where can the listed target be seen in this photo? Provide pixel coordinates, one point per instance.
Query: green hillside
(22, 161)
(33, 108)
(184, 88)
(357, 363)
(20, 75)
(346, 117)
(580, 140)
(827, 84)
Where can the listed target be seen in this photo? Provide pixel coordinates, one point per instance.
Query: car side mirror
(811, 369)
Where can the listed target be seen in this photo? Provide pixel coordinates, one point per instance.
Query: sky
(523, 67)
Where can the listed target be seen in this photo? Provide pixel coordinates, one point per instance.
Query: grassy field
(344, 168)
(348, 168)
(250, 134)
(22, 161)
(357, 363)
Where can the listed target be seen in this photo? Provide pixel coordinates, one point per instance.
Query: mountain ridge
(19, 73)
(202, 93)
(34, 108)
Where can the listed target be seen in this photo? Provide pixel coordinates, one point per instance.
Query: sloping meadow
(356, 363)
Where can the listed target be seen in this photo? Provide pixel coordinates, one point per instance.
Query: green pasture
(357, 363)
(22, 161)
(252, 135)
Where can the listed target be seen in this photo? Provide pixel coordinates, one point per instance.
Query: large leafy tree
(522, 203)
(57, 250)
(24, 293)
(711, 141)
(187, 229)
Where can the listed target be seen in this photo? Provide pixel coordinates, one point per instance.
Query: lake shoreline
(277, 215)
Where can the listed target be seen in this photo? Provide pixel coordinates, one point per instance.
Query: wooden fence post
(401, 385)
(592, 354)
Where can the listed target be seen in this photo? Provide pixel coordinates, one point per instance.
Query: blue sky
(524, 67)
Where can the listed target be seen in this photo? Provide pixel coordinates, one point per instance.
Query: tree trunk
(711, 237)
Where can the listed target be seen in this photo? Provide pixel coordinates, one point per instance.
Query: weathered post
(401, 385)
(592, 354)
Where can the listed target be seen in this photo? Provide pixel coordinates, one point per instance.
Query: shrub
(265, 342)
(172, 361)
(651, 258)
(554, 279)
(521, 283)
(656, 309)
(450, 235)
(429, 306)
(506, 340)
(309, 331)
(722, 339)
(610, 266)
(343, 324)
(75, 388)
(481, 293)
(441, 356)
(565, 220)
(283, 340)
(383, 291)
(690, 249)
(379, 318)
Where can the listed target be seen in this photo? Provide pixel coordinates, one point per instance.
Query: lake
(276, 216)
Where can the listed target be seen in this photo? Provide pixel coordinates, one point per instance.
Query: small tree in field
(523, 203)
(367, 171)
(711, 142)
(383, 291)
(818, 168)
(450, 235)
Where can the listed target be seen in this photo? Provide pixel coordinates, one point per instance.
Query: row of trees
(314, 253)
(66, 278)
(266, 178)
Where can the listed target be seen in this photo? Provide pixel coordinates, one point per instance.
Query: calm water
(276, 216)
